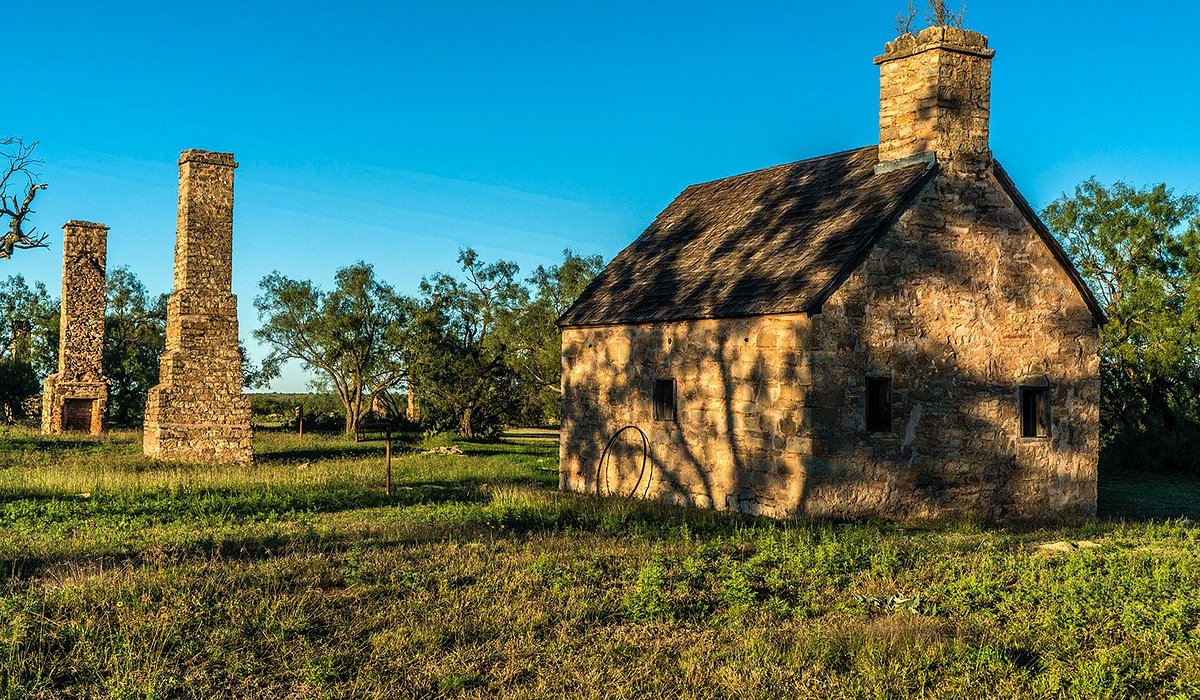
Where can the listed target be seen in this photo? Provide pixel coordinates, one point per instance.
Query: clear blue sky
(399, 132)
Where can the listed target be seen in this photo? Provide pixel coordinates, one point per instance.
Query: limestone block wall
(74, 398)
(197, 412)
(739, 440)
(959, 305)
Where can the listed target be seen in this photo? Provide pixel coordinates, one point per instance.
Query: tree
(19, 186)
(18, 384)
(29, 328)
(939, 14)
(457, 346)
(134, 337)
(31, 306)
(1139, 250)
(537, 344)
(350, 336)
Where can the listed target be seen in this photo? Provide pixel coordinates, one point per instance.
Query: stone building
(888, 330)
(75, 397)
(197, 412)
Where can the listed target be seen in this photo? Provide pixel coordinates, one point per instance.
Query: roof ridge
(814, 159)
(749, 245)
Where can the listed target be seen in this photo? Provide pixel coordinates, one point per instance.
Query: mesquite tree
(1139, 250)
(536, 345)
(457, 353)
(350, 336)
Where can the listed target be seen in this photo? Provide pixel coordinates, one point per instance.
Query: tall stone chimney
(75, 397)
(935, 98)
(197, 411)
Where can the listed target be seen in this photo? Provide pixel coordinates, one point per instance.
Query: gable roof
(779, 240)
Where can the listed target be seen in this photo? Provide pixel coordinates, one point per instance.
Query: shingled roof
(772, 241)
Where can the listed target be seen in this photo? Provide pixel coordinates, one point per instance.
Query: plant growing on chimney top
(939, 14)
(905, 19)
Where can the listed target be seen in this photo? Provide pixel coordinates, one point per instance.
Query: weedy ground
(297, 577)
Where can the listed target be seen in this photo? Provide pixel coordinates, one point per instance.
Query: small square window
(1035, 411)
(664, 399)
(879, 405)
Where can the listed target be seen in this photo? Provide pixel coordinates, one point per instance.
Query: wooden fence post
(387, 451)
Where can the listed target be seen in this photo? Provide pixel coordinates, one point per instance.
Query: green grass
(297, 577)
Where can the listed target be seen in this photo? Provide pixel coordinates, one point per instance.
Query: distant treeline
(470, 352)
(479, 349)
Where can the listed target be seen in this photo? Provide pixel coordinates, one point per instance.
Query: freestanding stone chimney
(21, 344)
(197, 412)
(935, 98)
(74, 397)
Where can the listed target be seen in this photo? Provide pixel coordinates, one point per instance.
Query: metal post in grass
(300, 420)
(387, 452)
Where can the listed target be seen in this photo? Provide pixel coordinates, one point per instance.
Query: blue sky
(399, 132)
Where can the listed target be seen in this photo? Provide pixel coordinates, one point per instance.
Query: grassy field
(299, 578)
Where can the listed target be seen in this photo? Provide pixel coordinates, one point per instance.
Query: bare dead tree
(905, 19)
(19, 185)
(940, 14)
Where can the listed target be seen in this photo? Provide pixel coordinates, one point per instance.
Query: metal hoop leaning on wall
(647, 471)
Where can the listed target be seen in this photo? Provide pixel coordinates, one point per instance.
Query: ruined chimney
(76, 396)
(204, 237)
(21, 345)
(935, 98)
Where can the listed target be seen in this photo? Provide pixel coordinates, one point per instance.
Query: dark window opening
(664, 399)
(1035, 412)
(77, 415)
(879, 405)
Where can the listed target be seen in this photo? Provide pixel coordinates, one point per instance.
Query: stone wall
(74, 398)
(740, 439)
(960, 304)
(197, 412)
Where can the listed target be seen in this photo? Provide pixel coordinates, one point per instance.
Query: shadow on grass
(32, 508)
(202, 509)
(1140, 496)
(314, 453)
(507, 512)
(29, 441)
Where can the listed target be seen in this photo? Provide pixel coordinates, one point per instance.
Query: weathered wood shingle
(771, 241)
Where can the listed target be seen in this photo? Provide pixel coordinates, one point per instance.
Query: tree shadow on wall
(924, 469)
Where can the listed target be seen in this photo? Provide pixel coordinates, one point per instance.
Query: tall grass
(298, 577)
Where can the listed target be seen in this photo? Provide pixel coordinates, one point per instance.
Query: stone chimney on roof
(935, 98)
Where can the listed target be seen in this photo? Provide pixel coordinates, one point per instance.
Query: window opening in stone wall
(664, 399)
(1035, 411)
(879, 404)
